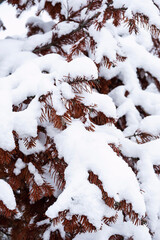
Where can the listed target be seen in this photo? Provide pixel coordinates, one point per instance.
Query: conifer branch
(54, 41)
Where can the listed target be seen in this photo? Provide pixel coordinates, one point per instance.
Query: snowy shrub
(80, 121)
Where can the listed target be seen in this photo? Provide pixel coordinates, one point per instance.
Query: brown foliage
(54, 11)
(126, 208)
(33, 199)
(116, 237)
(5, 157)
(5, 211)
(146, 78)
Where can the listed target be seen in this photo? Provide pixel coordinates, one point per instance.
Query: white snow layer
(7, 195)
(22, 74)
(147, 7)
(101, 102)
(27, 79)
(84, 151)
(150, 125)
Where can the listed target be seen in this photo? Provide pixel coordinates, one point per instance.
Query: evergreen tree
(80, 113)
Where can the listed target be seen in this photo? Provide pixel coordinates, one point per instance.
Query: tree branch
(53, 43)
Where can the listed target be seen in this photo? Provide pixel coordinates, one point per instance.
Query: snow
(38, 22)
(7, 195)
(24, 74)
(66, 90)
(6, 121)
(27, 71)
(38, 148)
(146, 7)
(151, 187)
(19, 165)
(53, 228)
(148, 154)
(127, 228)
(14, 26)
(13, 46)
(36, 40)
(82, 66)
(77, 145)
(70, 4)
(66, 27)
(109, 48)
(27, 118)
(37, 177)
(150, 125)
(102, 102)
